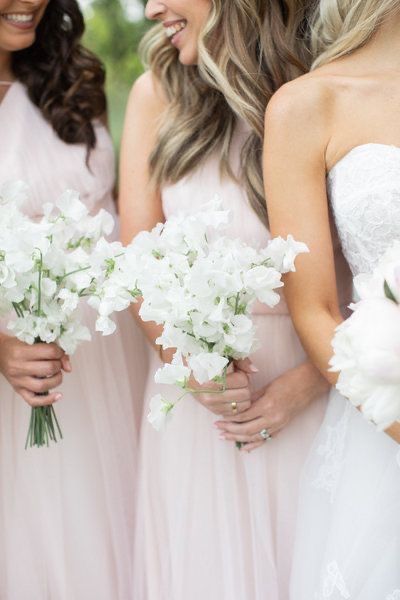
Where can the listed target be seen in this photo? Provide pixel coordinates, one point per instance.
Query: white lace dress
(348, 539)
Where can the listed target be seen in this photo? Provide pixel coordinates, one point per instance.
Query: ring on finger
(265, 434)
(234, 407)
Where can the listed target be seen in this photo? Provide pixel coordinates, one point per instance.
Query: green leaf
(388, 293)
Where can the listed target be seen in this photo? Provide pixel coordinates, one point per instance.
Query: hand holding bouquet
(200, 285)
(46, 268)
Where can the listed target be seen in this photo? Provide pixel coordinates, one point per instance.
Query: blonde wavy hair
(248, 49)
(340, 27)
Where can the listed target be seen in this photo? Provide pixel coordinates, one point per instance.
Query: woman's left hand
(274, 406)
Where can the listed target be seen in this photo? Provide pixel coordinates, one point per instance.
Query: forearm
(152, 332)
(313, 383)
(150, 329)
(316, 332)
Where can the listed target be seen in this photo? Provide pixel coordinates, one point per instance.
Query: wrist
(318, 383)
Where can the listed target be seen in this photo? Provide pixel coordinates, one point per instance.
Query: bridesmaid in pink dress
(214, 522)
(66, 512)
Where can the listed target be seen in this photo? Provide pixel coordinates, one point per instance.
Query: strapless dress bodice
(364, 192)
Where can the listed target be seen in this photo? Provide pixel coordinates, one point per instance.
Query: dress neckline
(359, 148)
(11, 86)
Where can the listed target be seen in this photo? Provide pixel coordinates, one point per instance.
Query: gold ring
(234, 407)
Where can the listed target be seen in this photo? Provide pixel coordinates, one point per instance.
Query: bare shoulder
(147, 95)
(303, 105)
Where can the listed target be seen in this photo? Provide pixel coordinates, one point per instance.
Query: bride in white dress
(334, 137)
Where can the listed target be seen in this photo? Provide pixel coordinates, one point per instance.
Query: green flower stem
(43, 425)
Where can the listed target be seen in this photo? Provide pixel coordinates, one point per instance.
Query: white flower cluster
(47, 266)
(367, 345)
(201, 286)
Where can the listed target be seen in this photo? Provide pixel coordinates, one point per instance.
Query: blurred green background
(113, 31)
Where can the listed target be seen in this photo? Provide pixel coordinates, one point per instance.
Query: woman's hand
(274, 406)
(236, 398)
(33, 370)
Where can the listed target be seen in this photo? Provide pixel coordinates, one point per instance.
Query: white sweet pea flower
(71, 207)
(160, 412)
(70, 300)
(73, 336)
(283, 253)
(207, 365)
(7, 276)
(13, 193)
(105, 325)
(175, 337)
(31, 327)
(263, 281)
(48, 286)
(94, 227)
(240, 336)
(175, 373)
(212, 214)
(155, 309)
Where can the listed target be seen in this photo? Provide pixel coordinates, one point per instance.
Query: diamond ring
(265, 434)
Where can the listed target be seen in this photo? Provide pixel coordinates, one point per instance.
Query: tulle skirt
(348, 538)
(212, 522)
(66, 512)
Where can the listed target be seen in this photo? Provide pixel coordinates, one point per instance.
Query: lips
(23, 20)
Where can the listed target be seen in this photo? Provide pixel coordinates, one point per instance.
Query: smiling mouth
(175, 28)
(18, 18)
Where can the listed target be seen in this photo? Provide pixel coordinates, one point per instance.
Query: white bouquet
(200, 285)
(367, 345)
(46, 268)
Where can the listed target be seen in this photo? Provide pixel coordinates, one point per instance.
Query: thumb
(246, 366)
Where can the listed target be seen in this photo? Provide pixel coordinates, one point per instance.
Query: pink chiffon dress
(66, 512)
(214, 523)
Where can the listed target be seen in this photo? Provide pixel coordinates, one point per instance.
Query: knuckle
(53, 368)
(13, 370)
(16, 353)
(55, 352)
(278, 418)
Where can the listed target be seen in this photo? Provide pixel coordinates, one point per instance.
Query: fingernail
(217, 425)
(57, 397)
(253, 368)
(222, 436)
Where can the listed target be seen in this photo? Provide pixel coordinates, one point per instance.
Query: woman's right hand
(237, 396)
(33, 370)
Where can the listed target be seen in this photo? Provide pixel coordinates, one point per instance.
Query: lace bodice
(364, 191)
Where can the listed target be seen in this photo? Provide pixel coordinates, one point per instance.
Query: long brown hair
(64, 80)
(248, 49)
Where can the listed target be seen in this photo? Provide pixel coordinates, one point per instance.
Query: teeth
(173, 29)
(18, 18)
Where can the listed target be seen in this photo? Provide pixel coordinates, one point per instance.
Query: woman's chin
(188, 57)
(16, 44)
